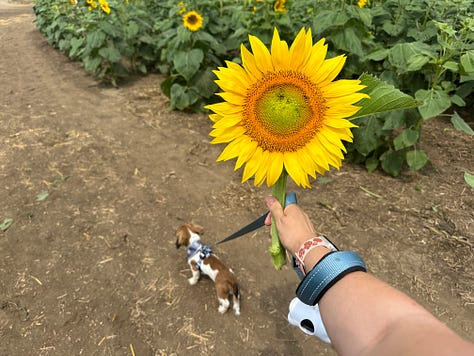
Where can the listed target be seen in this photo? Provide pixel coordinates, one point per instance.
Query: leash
(254, 225)
(206, 250)
(257, 223)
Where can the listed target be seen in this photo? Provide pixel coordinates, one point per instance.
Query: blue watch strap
(326, 273)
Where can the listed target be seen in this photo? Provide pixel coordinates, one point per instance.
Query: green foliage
(424, 48)
(110, 46)
(6, 224)
(469, 178)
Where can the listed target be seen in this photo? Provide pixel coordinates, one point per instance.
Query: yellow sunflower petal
(226, 134)
(264, 63)
(342, 111)
(318, 155)
(235, 73)
(307, 163)
(329, 70)
(227, 121)
(318, 168)
(233, 78)
(335, 147)
(275, 168)
(343, 134)
(338, 123)
(261, 172)
(348, 99)
(341, 87)
(224, 108)
(215, 117)
(231, 84)
(292, 166)
(232, 98)
(298, 50)
(327, 154)
(232, 150)
(316, 58)
(249, 63)
(280, 52)
(252, 165)
(248, 148)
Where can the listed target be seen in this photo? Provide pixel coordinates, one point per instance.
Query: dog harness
(204, 252)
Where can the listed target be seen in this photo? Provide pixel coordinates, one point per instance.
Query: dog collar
(193, 249)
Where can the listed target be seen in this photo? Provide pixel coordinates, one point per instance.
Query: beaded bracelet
(307, 246)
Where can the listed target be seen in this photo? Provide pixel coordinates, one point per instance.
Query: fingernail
(270, 200)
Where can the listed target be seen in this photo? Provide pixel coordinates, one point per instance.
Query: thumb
(274, 206)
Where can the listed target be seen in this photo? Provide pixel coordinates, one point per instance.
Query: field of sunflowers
(416, 55)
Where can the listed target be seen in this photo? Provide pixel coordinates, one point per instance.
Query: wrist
(329, 270)
(314, 256)
(311, 252)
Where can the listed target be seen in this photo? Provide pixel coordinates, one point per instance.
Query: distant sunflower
(361, 3)
(279, 6)
(182, 7)
(283, 111)
(192, 21)
(104, 5)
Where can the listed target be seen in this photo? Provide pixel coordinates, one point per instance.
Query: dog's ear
(198, 229)
(182, 236)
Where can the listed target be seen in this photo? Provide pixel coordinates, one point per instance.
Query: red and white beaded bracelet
(308, 246)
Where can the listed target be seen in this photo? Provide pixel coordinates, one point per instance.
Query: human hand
(293, 225)
(295, 229)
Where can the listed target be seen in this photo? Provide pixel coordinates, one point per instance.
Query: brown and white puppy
(201, 260)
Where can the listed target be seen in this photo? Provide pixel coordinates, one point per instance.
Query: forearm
(364, 316)
(361, 314)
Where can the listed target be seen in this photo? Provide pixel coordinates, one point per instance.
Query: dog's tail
(236, 299)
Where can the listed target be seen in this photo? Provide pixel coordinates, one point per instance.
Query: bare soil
(98, 179)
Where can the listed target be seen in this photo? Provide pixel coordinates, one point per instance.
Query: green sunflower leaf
(6, 224)
(392, 162)
(188, 63)
(383, 97)
(435, 102)
(469, 178)
(416, 159)
(461, 125)
(406, 138)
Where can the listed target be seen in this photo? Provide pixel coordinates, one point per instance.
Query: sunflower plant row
(112, 38)
(425, 48)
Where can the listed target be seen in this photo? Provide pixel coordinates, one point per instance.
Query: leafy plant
(424, 48)
(110, 45)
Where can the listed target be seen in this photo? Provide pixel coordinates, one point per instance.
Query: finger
(274, 206)
(268, 219)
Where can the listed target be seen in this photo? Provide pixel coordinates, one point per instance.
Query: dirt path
(97, 180)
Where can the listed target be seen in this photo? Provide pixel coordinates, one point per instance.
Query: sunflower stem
(277, 250)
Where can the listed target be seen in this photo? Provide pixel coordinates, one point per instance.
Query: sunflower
(283, 112)
(182, 7)
(104, 6)
(192, 21)
(361, 3)
(279, 6)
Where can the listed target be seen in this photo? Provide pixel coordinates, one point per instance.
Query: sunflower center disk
(283, 112)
